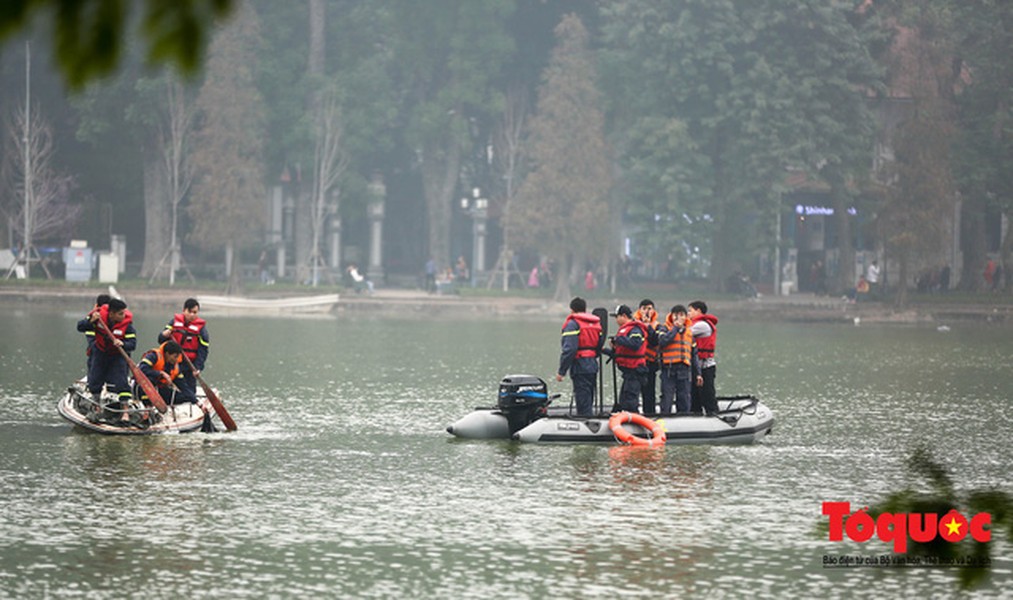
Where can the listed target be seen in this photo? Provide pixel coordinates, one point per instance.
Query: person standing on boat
(628, 348)
(679, 363)
(191, 333)
(87, 327)
(162, 366)
(580, 343)
(705, 333)
(649, 317)
(105, 364)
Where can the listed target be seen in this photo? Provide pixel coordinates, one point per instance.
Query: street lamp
(478, 208)
(375, 210)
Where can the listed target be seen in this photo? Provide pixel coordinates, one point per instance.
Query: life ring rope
(625, 436)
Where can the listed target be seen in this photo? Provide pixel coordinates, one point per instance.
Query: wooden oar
(139, 377)
(216, 403)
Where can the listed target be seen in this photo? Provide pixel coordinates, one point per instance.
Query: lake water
(342, 482)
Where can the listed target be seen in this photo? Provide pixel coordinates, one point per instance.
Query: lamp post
(478, 208)
(375, 210)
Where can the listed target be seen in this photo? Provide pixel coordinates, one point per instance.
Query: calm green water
(343, 483)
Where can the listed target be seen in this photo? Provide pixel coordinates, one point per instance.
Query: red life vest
(160, 365)
(631, 358)
(705, 345)
(590, 333)
(187, 335)
(680, 349)
(119, 330)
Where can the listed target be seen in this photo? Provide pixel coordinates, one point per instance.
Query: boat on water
(78, 407)
(318, 304)
(523, 413)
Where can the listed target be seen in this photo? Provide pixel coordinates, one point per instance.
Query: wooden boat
(318, 304)
(78, 407)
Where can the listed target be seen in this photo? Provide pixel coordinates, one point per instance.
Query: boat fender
(624, 436)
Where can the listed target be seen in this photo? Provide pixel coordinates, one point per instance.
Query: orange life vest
(159, 364)
(680, 349)
(651, 352)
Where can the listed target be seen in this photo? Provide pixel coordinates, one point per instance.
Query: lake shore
(388, 302)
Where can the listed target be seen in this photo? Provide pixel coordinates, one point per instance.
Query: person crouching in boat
(628, 348)
(105, 363)
(161, 366)
(579, 354)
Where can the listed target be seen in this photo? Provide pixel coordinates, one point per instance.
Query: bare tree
(330, 162)
(38, 196)
(173, 136)
(508, 163)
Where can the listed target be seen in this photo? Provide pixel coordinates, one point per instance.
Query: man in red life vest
(646, 314)
(628, 348)
(191, 333)
(162, 367)
(705, 333)
(105, 363)
(679, 363)
(579, 355)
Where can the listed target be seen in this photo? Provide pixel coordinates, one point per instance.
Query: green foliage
(227, 205)
(561, 208)
(89, 34)
(939, 495)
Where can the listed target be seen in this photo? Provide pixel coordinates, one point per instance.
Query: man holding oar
(106, 364)
(191, 333)
(161, 366)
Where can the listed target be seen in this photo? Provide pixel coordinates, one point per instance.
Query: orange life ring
(657, 430)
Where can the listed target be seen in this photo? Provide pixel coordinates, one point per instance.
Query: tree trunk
(156, 214)
(973, 242)
(563, 290)
(845, 279)
(440, 167)
(903, 265)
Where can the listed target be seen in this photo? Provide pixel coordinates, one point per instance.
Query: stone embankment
(408, 302)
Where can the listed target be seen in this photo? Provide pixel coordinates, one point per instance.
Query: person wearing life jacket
(646, 314)
(105, 363)
(628, 348)
(191, 333)
(705, 333)
(86, 325)
(679, 363)
(162, 367)
(580, 343)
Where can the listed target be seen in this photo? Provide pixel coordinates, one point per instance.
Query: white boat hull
(76, 405)
(741, 420)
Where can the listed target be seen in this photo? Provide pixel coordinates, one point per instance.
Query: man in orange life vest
(579, 355)
(105, 364)
(628, 347)
(646, 314)
(679, 363)
(191, 333)
(161, 366)
(705, 334)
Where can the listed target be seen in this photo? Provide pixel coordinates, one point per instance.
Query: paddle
(216, 403)
(149, 389)
(603, 317)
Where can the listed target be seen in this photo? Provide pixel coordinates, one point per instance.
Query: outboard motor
(523, 399)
